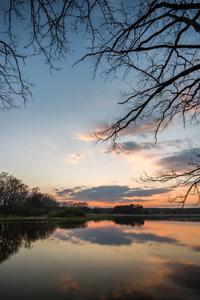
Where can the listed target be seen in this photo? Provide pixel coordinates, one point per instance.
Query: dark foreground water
(127, 259)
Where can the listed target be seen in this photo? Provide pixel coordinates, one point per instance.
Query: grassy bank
(100, 217)
(91, 217)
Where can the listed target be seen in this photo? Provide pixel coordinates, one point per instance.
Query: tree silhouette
(155, 41)
(17, 199)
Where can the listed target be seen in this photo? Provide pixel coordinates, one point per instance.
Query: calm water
(100, 260)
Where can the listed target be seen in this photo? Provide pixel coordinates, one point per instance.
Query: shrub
(67, 212)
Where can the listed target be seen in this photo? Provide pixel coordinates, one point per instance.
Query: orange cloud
(77, 155)
(74, 158)
(85, 137)
(100, 131)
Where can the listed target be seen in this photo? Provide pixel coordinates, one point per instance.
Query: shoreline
(104, 217)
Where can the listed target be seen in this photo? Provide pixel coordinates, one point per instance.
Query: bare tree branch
(189, 178)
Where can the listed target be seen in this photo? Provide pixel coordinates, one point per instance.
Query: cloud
(174, 143)
(137, 129)
(130, 147)
(76, 155)
(148, 192)
(85, 137)
(74, 158)
(179, 161)
(99, 130)
(126, 200)
(109, 194)
(101, 193)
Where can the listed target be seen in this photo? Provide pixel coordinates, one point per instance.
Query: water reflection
(184, 275)
(125, 259)
(102, 233)
(132, 221)
(106, 233)
(14, 235)
(71, 225)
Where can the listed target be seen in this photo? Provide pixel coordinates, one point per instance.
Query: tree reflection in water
(132, 221)
(14, 235)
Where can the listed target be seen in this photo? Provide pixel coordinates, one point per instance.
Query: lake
(122, 259)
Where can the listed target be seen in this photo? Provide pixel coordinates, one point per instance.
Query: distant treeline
(129, 209)
(16, 198)
(119, 209)
(195, 210)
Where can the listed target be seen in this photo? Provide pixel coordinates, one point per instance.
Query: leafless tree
(44, 26)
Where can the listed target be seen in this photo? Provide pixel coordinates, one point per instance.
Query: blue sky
(47, 143)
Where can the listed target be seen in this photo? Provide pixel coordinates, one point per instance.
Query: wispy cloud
(99, 130)
(76, 155)
(84, 137)
(74, 158)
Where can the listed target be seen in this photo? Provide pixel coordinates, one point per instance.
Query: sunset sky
(48, 143)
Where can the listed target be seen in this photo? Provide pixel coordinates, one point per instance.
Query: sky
(48, 143)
